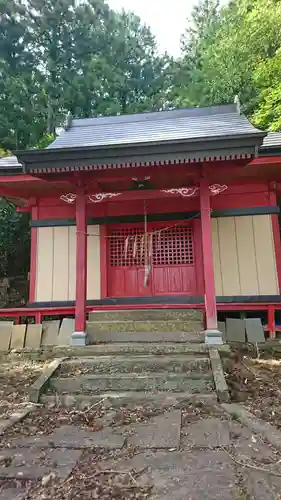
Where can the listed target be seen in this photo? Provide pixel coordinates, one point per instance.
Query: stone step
(132, 399)
(125, 363)
(147, 314)
(145, 326)
(96, 334)
(136, 348)
(133, 382)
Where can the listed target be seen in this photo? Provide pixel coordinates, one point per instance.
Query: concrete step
(136, 348)
(97, 335)
(145, 326)
(133, 382)
(147, 314)
(137, 364)
(132, 399)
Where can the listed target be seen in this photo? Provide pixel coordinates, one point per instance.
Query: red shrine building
(173, 209)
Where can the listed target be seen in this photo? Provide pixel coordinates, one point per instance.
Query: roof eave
(12, 170)
(32, 157)
(270, 150)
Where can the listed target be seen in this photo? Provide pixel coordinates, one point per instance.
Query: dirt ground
(257, 383)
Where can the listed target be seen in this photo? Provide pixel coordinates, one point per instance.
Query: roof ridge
(154, 115)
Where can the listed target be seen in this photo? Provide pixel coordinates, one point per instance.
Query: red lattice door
(172, 260)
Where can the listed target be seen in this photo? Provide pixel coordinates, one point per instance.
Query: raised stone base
(213, 336)
(79, 339)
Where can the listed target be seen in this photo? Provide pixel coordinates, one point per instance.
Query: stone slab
(253, 450)
(222, 329)
(66, 329)
(159, 432)
(18, 337)
(148, 314)
(15, 418)
(150, 335)
(50, 331)
(183, 475)
(258, 426)
(142, 348)
(131, 399)
(207, 433)
(33, 336)
(85, 384)
(112, 364)
(254, 330)
(235, 330)
(262, 486)
(41, 383)
(70, 436)
(218, 374)
(12, 494)
(6, 328)
(34, 464)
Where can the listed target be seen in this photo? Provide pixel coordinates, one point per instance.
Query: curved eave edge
(270, 151)
(124, 154)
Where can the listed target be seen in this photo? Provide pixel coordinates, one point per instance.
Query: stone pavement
(33, 463)
(212, 457)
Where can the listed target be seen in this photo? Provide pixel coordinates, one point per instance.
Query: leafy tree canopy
(234, 50)
(60, 56)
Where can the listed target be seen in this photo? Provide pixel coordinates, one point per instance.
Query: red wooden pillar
(212, 333)
(79, 336)
(271, 321)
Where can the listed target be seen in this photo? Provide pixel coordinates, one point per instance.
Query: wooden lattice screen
(173, 246)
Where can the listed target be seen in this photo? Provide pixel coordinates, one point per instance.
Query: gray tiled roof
(189, 125)
(9, 162)
(182, 124)
(272, 140)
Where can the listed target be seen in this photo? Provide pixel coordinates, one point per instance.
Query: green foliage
(267, 77)
(234, 50)
(60, 56)
(14, 241)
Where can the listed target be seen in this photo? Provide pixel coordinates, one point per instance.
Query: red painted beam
(208, 267)
(81, 263)
(10, 179)
(265, 160)
(142, 194)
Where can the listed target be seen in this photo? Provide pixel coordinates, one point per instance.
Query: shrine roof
(8, 164)
(161, 126)
(190, 135)
(271, 142)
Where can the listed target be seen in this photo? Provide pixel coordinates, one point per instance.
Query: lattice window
(119, 256)
(173, 246)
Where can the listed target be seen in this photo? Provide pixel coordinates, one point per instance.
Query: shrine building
(169, 209)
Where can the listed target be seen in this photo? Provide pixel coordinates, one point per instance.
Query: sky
(167, 22)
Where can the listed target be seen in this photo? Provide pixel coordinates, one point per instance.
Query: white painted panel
(44, 264)
(93, 263)
(61, 267)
